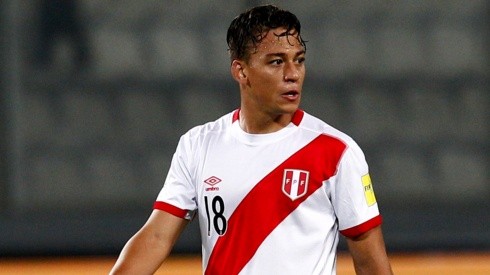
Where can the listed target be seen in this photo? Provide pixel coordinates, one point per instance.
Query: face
(272, 77)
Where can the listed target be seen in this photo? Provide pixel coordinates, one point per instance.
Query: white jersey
(270, 203)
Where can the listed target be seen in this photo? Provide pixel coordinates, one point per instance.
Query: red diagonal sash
(266, 206)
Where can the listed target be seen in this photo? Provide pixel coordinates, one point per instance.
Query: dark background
(95, 94)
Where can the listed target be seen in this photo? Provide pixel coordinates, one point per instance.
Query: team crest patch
(295, 183)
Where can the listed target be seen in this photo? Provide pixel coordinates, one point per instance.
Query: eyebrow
(280, 54)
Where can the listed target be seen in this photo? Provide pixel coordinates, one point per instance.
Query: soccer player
(272, 185)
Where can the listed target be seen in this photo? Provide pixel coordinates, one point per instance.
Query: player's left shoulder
(315, 124)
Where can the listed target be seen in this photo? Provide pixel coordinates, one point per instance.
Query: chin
(290, 108)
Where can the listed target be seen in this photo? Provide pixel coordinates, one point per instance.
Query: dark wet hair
(248, 29)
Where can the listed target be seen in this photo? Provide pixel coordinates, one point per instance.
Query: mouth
(291, 95)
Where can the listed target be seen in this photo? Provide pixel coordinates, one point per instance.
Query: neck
(262, 123)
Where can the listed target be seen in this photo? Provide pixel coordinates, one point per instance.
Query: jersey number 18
(219, 220)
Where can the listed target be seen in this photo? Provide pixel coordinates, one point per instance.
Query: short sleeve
(353, 195)
(178, 194)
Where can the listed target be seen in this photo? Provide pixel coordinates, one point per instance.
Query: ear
(238, 71)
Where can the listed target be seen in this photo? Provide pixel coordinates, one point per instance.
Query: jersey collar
(296, 120)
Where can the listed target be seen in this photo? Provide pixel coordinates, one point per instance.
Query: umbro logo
(212, 181)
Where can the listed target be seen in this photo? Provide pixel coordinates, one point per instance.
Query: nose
(291, 72)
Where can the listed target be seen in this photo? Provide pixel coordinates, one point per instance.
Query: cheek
(262, 78)
(272, 76)
(266, 86)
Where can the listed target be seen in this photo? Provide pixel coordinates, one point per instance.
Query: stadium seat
(428, 114)
(87, 119)
(473, 115)
(398, 51)
(199, 104)
(464, 173)
(53, 181)
(112, 178)
(404, 174)
(455, 49)
(37, 123)
(178, 52)
(117, 54)
(373, 114)
(345, 51)
(148, 116)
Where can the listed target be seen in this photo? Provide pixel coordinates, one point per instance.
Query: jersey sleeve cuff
(362, 228)
(160, 205)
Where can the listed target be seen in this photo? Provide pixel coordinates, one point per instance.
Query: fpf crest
(295, 183)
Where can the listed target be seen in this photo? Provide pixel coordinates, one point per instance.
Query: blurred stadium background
(91, 112)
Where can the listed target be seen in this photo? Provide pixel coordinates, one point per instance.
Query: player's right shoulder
(213, 127)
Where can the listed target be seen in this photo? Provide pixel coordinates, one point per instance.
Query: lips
(291, 95)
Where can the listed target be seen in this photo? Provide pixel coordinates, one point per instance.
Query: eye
(301, 59)
(276, 62)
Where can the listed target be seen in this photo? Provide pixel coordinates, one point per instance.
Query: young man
(272, 185)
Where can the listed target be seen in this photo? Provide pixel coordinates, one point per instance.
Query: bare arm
(369, 253)
(149, 247)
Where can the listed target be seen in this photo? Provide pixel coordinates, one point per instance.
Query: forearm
(149, 247)
(369, 253)
(380, 266)
(142, 254)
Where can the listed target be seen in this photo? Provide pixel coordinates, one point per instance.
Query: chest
(286, 172)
